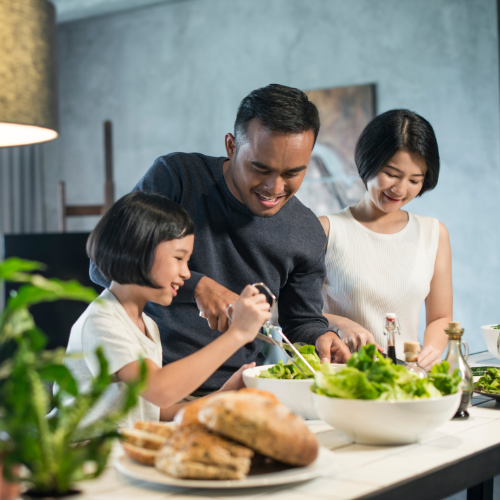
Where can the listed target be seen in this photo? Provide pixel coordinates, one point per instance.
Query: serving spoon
(267, 336)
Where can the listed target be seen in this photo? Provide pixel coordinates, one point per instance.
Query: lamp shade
(28, 81)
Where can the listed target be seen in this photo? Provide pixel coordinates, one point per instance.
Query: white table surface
(358, 469)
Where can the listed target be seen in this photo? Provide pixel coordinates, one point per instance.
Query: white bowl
(295, 394)
(490, 336)
(386, 422)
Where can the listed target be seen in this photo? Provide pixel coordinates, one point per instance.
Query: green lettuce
(369, 375)
(490, 381)
(289, 371)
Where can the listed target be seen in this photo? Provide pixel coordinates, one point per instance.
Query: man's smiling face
(267, 168)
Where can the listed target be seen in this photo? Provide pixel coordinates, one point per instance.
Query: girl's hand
(250, 312)
(355, 336)
(235, 382)
(429, 357)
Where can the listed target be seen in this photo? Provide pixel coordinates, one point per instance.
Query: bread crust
(143, 439)
(265, 426)
(188, 415)
(164, 429)
(196, 453)
(142, 455)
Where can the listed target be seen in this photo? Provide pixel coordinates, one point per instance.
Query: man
(249, 227)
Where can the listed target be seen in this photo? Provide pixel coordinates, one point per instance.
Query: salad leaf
(496, 327)
(289, 371)
(369, 375)
(349, 383)
(440, 377)
(490, 381)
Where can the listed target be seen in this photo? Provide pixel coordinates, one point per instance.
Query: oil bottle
(456, 359)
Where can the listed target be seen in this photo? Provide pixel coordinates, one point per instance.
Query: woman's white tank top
(370, 274)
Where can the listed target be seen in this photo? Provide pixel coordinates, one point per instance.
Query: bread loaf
(196, 453)
(164, 429)
(188, 415)
(143, 439)
(142, 455)
(265, 426)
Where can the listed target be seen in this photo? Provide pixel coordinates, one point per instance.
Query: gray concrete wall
(170, 78)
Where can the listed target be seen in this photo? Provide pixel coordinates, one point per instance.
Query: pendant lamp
(28, 80)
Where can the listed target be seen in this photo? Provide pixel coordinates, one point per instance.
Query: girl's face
(170, 269)
(397, 182)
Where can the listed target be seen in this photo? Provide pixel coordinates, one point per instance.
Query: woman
(383, 259)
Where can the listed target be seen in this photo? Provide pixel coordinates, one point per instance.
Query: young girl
(383, 259)
(143, 245)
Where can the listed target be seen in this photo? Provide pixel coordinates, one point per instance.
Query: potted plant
(56, 451)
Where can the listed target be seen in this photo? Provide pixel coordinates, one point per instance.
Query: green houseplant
(56, 451)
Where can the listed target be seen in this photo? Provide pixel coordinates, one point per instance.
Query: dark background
(65, 257)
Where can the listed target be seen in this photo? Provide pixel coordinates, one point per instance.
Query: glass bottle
(391, 327)
(411, 356)
(456, 359)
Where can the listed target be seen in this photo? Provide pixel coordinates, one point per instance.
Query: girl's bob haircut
(123, 244)
(391, 132)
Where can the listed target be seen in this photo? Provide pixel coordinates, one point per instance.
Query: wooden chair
(84, 210)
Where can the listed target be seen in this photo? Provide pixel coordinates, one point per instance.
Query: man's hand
(212, 300)
(332, 349)
(354, 335)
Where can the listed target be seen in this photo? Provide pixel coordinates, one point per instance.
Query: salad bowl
(295, 394)
(491, 337)
(380, 422)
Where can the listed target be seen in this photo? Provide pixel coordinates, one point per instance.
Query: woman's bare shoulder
(325, 222)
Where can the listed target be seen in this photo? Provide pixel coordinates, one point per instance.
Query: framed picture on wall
(332, 181)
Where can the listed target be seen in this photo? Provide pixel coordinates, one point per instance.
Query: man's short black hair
(391, 132)
(279, 108)
(123, 244)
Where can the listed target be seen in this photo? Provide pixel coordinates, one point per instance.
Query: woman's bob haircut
(123, 244)
(391, 132)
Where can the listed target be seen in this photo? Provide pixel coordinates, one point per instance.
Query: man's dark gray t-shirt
(235, 247)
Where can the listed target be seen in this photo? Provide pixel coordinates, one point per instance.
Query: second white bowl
(294, 394)
(490, 336)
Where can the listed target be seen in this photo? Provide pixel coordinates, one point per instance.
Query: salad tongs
(268, 328)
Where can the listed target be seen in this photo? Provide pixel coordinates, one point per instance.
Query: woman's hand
(250, 312)
(235, 382)
(429, 357)
(354, 335)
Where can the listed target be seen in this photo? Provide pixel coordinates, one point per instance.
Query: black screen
(65, 257)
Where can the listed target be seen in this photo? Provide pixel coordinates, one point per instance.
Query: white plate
(135, 470)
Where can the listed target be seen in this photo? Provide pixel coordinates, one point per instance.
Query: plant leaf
(61, 376)
(14, 269)
(48, 290)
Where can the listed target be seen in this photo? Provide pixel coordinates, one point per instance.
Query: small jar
(412, 350)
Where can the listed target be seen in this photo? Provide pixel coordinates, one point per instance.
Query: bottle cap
(390, 316)
(454, 331)
(412, 347)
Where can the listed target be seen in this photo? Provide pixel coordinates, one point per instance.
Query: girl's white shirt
(370, 274)
(105, 323)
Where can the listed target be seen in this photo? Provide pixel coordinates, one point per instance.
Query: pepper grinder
(457, 360)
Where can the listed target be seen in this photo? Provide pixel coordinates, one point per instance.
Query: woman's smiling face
(398, 181)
